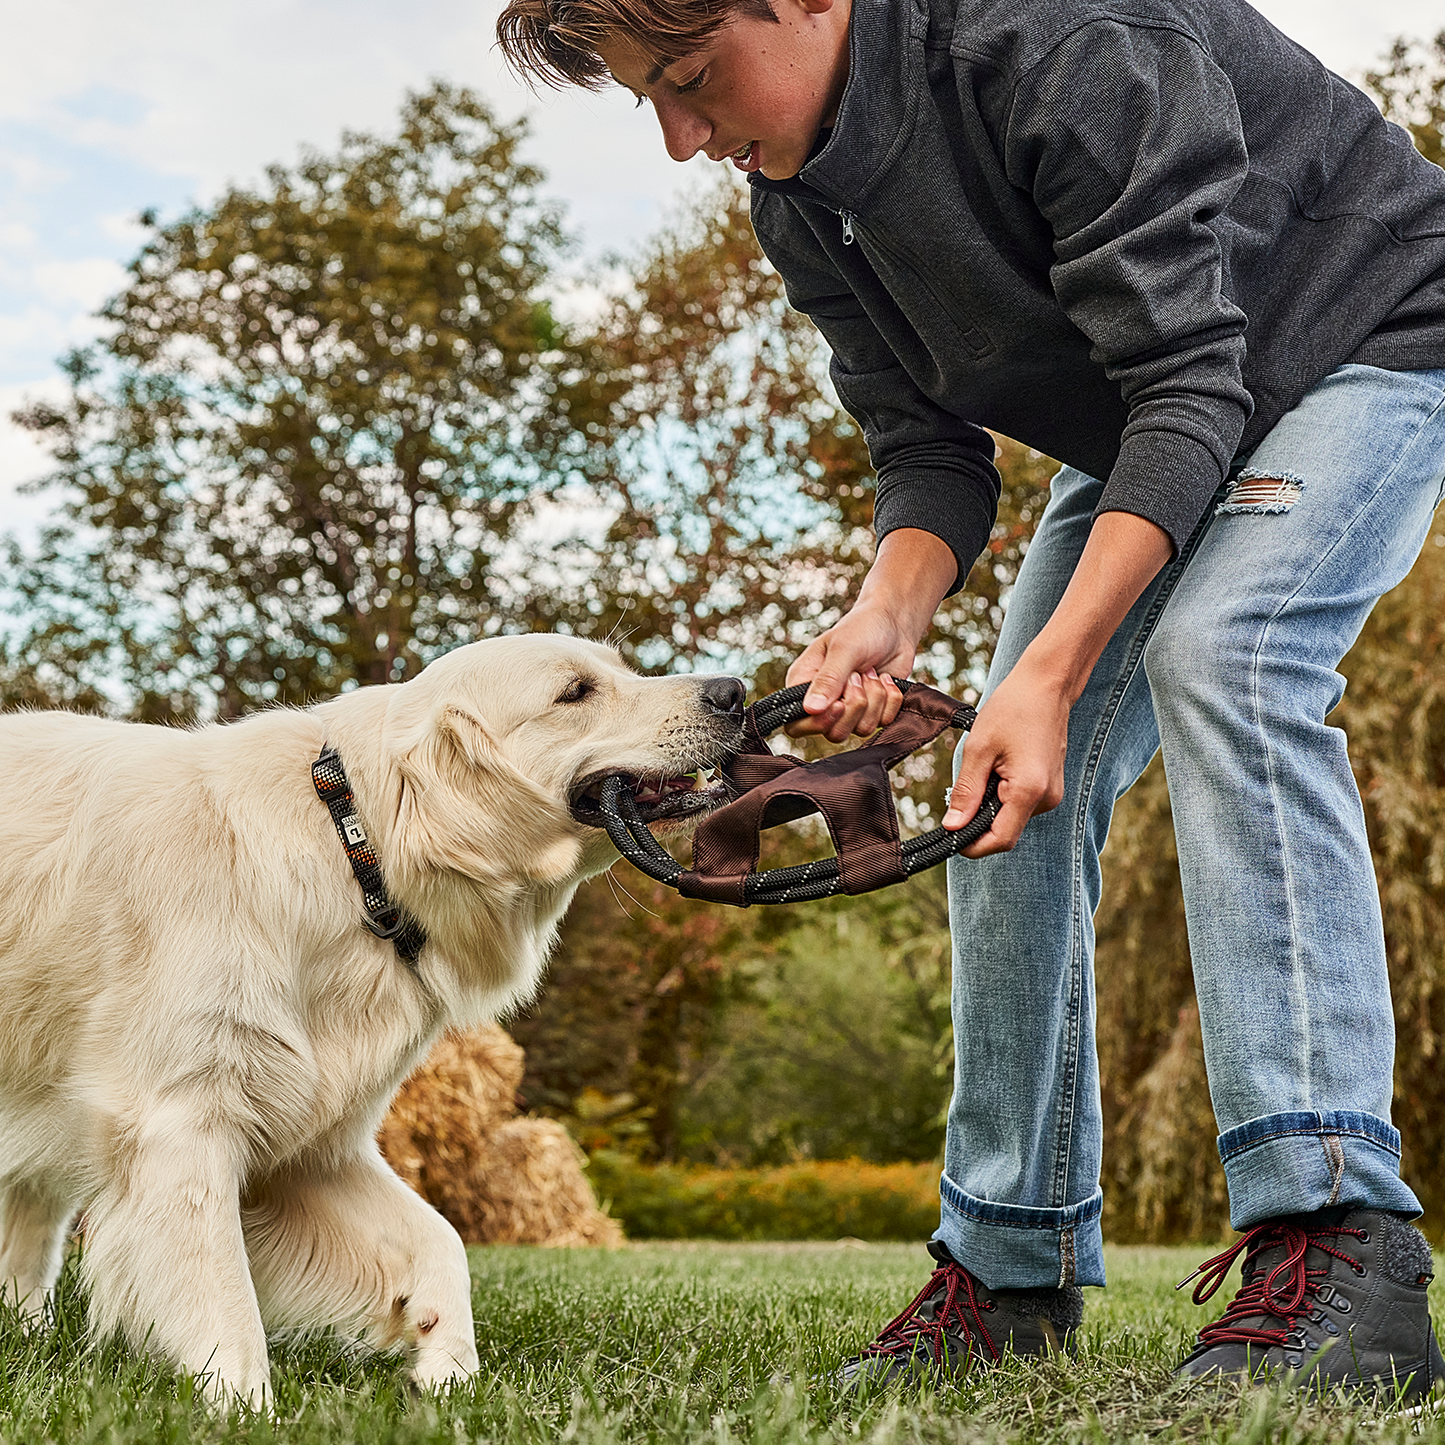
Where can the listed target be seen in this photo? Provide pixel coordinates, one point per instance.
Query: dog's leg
(32, 1244)
(165, 1259)
(354, 1249)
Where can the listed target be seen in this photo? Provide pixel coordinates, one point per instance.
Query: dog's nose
(725, 695)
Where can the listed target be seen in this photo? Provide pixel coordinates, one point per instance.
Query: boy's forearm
(910, 577)
(1122, 556)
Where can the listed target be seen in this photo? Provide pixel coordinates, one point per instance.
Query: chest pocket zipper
(974, 337)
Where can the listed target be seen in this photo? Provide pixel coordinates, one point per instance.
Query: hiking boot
(957, 1323)
(1334, 1298)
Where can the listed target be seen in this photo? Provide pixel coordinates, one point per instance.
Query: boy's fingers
(1003, 835)
(966, 796)
(853, 705)
(866, 704)
(892, 698)
(829, 684)
(881, 705)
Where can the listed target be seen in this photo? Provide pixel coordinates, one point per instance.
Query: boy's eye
(695, 83)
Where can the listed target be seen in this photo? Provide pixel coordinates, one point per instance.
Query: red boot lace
(1281, 1294)
(961, 1310)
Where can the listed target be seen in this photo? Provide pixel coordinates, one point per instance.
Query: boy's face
(757, 94)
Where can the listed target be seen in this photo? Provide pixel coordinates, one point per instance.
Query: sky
(110, 107)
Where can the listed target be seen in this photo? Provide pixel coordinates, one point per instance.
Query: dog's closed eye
(578, 690)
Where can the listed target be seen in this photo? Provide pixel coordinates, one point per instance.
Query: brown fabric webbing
(851, 790)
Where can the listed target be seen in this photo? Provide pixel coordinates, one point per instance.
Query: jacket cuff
(960, 516)
(1167, 478)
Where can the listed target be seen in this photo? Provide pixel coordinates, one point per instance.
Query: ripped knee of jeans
(1256, 490)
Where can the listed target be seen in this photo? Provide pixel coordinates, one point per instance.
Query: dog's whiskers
(617, 888)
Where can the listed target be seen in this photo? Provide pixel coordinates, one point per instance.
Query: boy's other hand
(1021, 734)
(1022, 731)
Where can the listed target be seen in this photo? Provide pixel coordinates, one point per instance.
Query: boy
(1162, 243)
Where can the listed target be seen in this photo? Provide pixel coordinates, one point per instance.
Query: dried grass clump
(453, 1134)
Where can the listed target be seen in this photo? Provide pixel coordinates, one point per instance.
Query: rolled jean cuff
(1298, 1162)
(1009, 1246)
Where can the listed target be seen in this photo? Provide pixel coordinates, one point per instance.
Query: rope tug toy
(851, 790)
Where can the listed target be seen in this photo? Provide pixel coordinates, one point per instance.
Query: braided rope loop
(802, 882)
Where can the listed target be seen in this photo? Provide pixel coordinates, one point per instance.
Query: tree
(293, 461)
(1411, 90)
(737, 492)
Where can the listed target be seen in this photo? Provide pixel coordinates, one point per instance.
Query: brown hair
(557, 41)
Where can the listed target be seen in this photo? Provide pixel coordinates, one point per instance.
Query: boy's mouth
(745, 158)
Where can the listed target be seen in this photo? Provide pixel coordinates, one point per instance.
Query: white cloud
(83, 283)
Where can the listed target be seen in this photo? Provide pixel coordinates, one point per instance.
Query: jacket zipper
(975, 338)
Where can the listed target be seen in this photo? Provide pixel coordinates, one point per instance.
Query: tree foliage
(294, 458)
(1411, 90)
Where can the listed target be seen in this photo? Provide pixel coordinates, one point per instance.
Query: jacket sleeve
(1130, 142)
(935, 471)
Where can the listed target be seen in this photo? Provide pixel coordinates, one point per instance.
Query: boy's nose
(683, 133)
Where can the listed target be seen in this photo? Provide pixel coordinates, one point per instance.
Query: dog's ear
(465, 806)
(467, 735)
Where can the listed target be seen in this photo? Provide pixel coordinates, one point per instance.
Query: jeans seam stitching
(1105, 726)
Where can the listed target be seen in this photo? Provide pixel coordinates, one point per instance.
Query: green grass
(687, 1343)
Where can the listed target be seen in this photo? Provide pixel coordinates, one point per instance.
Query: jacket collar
(886, 82)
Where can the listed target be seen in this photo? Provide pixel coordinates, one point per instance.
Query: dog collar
(383, 917)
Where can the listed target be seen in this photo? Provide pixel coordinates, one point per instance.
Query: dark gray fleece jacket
(1131, 235)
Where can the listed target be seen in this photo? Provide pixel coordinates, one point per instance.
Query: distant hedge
(830, 1200)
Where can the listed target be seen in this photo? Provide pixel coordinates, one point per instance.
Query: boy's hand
(1021, 734)
(852, 665)
(1022, 730)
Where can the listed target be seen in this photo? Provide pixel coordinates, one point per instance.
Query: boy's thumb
(825, 688)
(966, 796)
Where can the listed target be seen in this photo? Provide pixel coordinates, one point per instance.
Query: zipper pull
(847, 218)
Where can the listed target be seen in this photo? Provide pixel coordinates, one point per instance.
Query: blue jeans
(1228, 662)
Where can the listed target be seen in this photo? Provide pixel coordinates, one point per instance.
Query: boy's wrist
(909, 578)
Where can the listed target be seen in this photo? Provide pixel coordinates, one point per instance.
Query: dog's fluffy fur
(199, 1037)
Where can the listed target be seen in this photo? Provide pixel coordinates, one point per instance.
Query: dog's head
(503, 745)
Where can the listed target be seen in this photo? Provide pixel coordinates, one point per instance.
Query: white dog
(199, 1035)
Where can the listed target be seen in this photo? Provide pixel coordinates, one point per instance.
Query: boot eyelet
(1293, 1361)
(989, 1305)
(1364, 1236)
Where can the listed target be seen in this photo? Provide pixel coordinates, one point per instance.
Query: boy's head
(737, 79)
